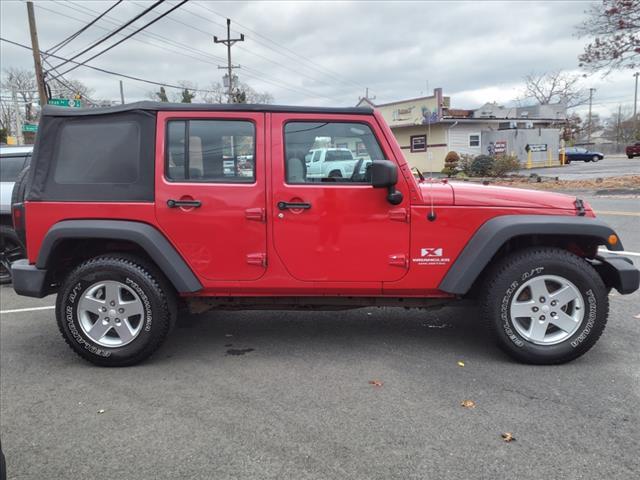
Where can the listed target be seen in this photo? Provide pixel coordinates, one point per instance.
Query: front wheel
(595, 158)
(115, 310)
(545, 305)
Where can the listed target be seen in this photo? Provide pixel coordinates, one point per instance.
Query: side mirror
(384, 174)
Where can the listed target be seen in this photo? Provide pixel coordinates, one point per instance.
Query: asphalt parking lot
(610, 166)
(286, 395)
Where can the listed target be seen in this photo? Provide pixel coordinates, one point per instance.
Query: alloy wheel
(547, 310)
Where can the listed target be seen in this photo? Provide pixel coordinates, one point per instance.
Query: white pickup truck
(330, 163)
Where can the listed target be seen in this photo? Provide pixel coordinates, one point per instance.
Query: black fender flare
(147, 237)
(494, 233)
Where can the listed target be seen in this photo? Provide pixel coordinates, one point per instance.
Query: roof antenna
(432, 214)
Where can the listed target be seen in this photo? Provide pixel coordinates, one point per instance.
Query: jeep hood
(473, 194)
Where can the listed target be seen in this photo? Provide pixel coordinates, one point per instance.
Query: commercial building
(428, 127)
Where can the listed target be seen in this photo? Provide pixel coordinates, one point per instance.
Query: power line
(70, 38)
(109, 72)
(95, 44)
(249, 72)
(127, 37)
(256, 73)
(329, 72)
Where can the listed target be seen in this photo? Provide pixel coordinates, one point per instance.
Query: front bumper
(618, 272)
(28, 280)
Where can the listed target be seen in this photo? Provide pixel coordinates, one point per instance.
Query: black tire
(157, 297)
(10, 250)
(595, 158)
(503, 282)
(629, 157)
(335, 174)
(567, 162)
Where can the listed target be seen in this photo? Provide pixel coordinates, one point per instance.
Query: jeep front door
(328, 228)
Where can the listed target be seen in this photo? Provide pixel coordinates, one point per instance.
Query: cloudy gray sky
(326, 53)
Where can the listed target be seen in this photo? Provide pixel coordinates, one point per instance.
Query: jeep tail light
(17, 215)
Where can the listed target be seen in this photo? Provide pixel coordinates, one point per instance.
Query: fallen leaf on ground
(468, 404)
(508, 437)
(461, 363)
(101, 410)
(376, 383)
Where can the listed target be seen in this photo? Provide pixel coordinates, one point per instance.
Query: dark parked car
(633, 150)
(12, 161)
(578, 153)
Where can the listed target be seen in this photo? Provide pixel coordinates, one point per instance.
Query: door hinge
(399, 215)
(399, 260)
(259, 259)
(257, 214)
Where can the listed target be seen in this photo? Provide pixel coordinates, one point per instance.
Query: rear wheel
(545, 305)
(115, 310)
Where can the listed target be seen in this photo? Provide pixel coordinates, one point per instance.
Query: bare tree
(615, 24)
(69, 88)
(24, 84)
(215, 93)
(555, 87)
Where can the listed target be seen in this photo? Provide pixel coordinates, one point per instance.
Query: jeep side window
(218, 151)
(348, 148)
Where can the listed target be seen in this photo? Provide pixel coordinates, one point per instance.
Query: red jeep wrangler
(129, 212)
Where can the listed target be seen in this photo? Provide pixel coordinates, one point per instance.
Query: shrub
(481, 166)
(451, 163)
(464, 164)
(504, 164)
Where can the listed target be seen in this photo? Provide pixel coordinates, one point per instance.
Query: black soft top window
(94, 158)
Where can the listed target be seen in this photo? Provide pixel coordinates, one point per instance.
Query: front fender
(494, 233)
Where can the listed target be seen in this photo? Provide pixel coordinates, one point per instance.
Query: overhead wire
(114, 32)
(249, 72)
(75, 35)
(128, 36)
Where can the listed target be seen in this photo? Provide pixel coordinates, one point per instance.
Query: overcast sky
(326, 53)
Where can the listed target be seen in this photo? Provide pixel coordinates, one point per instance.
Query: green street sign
(30, 127)
(64, 102)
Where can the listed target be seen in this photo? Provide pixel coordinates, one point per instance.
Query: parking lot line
(30, 309)
(633, 254)
(616, 212)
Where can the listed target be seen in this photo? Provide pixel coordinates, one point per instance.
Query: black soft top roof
(51, 111)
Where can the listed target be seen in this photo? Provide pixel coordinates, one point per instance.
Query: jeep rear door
(210, 191)
(328, 229)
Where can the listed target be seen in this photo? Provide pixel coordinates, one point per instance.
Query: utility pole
(635, 109)
(229, 42)
(35, 48)
(366, 95)
(591, 90)
(618, 128)
(18, 124)
(121, 93)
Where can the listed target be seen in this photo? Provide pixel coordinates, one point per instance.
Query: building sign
(65, 102)
(536, 147)
(500, 147)
(401, 114)
(30, 127)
